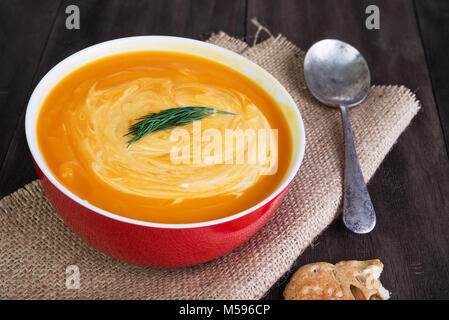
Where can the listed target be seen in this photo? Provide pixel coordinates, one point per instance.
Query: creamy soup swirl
(146, 167)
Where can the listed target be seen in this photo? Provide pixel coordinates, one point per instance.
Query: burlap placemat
(36, 247)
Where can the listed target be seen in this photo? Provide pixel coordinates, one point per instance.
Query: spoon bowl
(336, 73)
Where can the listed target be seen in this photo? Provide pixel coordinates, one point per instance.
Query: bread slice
(346, 280)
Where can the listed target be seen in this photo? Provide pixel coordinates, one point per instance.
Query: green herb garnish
(168, 118)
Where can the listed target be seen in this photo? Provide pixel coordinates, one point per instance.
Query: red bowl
(158, 244)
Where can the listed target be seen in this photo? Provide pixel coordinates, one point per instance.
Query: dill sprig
(168, 118)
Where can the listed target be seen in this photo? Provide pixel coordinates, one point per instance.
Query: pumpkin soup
(182, 174)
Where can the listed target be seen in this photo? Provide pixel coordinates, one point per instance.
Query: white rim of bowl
(34, 106)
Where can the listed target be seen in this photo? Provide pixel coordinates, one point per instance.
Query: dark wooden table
(410, 190)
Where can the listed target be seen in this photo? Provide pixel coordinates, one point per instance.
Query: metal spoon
(338, 76)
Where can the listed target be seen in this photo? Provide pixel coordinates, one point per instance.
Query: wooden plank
(433, 18)
(410, 189)
(24, 29)
(105, 20)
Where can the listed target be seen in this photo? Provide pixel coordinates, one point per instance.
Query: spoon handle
(358, 210)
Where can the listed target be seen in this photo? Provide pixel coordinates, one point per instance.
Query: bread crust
(346, 280)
